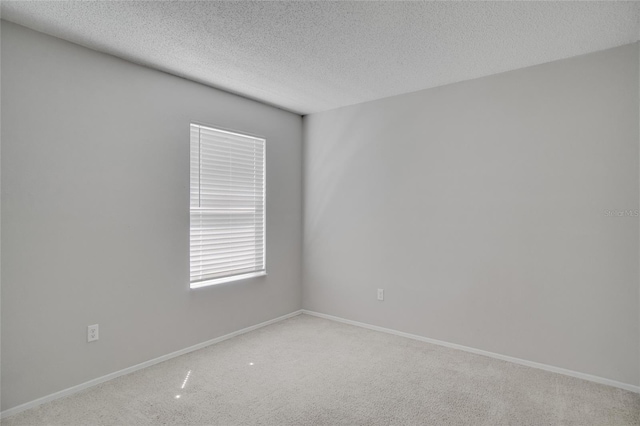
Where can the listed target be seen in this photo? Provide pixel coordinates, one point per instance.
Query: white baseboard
(70, 391)
(584, 376)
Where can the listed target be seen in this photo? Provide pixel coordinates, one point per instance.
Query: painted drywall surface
(95, 196)
(488, 212)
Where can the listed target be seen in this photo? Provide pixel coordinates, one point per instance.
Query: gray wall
(95, 215)
(479, 207)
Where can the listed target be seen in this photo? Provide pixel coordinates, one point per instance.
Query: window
(227, 203)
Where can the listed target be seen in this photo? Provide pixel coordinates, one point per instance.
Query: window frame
(245, 275)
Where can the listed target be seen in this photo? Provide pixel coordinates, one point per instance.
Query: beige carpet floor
(311, 371)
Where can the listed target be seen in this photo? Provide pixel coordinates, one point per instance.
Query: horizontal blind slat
(222, 265)
(238, 177)
(221, 235)
(226, 268)
(215, 241)
(222, 222)
(201, 261)
(252, 154)
(226, 233)
(223, 250)
(221, 262)
(230, 210)
(232, 158)
(223, 166)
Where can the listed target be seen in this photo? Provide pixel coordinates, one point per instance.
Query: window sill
(223, 280)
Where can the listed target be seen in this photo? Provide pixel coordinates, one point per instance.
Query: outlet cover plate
(92, 333)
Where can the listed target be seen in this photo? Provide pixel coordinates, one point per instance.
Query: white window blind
(227, 236)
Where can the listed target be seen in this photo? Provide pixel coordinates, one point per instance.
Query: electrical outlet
(380, 294)
(92, 333)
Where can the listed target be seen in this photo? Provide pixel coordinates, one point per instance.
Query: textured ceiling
(313, 56)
